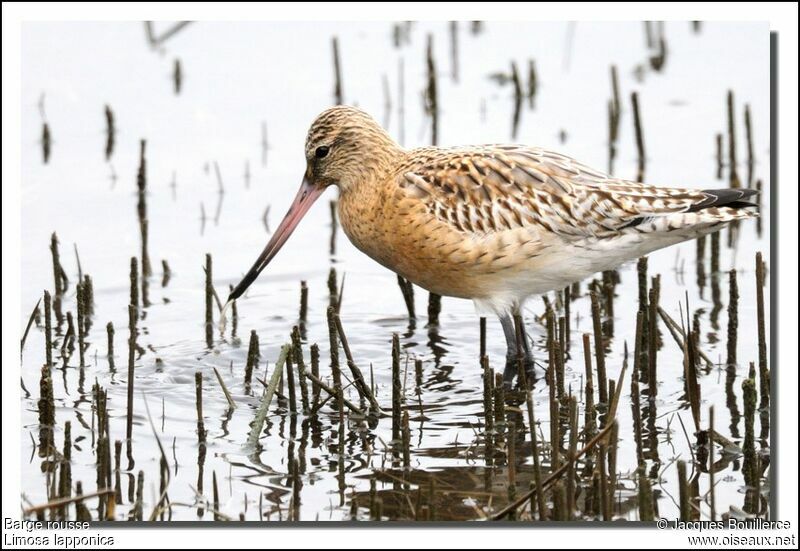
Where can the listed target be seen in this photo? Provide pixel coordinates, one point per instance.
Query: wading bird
(491, 223)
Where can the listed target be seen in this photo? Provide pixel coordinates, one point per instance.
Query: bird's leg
(512, 351)
(524, 349)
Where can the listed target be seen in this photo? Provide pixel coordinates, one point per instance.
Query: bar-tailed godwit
(491, 223)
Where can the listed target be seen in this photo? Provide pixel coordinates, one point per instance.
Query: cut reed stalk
(132, 332)
(762, 333)
(598, 349)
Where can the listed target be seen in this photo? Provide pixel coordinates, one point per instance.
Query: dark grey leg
(527, 354)
(512, 353)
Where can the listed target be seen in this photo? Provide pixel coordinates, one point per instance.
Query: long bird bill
(306, 196)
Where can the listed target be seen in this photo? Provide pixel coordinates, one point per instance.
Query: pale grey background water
(237, 75)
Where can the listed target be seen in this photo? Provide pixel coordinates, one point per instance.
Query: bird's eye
(322, 151)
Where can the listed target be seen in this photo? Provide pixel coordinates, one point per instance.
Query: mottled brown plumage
(482, 222)
(492, 223)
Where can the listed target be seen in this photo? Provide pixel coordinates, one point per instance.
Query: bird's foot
(510, 371)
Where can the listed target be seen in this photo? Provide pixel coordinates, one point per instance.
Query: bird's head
(345, 147)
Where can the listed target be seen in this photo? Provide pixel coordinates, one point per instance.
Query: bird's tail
(736, 199)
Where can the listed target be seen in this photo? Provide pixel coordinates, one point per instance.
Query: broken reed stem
(334, 351)
(601, 472)
(748, 127)
(253, 358)
(407, 288)
(397, 390)
(145, 276)
(59, 276)
(700, 266)
(333, 289)
(482, 339)
(641, 272)
(733, 175)
(637, 414)
(209, 323)
(177, 76)
(515, 79)
(573, 448)
(762, 333)
(598, 349)
(315, 373)
(760, 219)
(615, 390)
(33, 317)
(110, 132)
(48, 330)
(612, 136)
(132, 317)
(263, 405)
(612, 467)
(334, 226)
(749, 446)
(652, 335)
(638, 343)
(228, 397)
(733, 319)
(720, 162)
(589, 420)
(406, 445)
(616, 104)
(47, 413)
(337, 73)
(358, 378)
(303, 301)
(141, 208)
(608, 282)
(537, 469)
(683, 492)
(333, 394)
(291, 386)
(488, 410)
(499, 409)
(711, 466)
(68, 342)
(234, 315)
(517, 100)
(532, 83)
(46, 142)
(558, 354)
(454, 49)
(134, 277)
(645, 496)
(511, 451)
(690, 370)
(80, 291)
(431, 93)
(215, 493)
(297, 349)
(639, 137)
(679, 336)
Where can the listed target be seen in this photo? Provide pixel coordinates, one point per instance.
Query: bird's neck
(363, 204)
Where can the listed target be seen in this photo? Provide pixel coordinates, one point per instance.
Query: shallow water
(238, 76)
